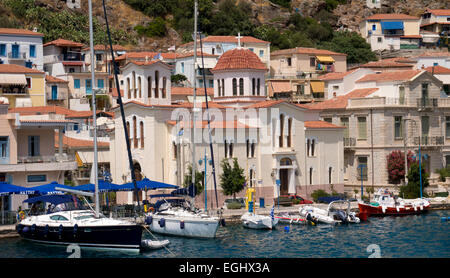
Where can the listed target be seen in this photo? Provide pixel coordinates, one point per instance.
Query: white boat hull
(254, 221)
(200, 228)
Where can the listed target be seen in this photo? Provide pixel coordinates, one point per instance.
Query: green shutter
(362, 128)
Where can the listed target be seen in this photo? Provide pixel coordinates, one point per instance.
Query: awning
(16, 79)
(325, 59)
(279, 87)
(391, 25)
(317, 86)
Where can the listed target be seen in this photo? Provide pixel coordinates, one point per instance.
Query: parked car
(297, 197)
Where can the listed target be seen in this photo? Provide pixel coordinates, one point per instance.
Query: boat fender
(26, 229)
(182, 224)
(149, 220)
(398, 210)
(162, 222)
(75, 230)
(421, 207)
(415, 208)
(33, 228)
(46, 230)
(222, 222)
(60, 230)
(286, 229)
(383, 209)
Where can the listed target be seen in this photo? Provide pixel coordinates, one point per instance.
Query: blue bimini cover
(391, 25)
(52, 199)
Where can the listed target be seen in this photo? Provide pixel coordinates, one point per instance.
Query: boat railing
(8, 217)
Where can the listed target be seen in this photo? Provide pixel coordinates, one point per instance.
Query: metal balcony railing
(349, 142)
(17, 55)
(424, 103)
(46, 158)
(429, 140)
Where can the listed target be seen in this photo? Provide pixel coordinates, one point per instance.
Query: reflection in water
(397, 237)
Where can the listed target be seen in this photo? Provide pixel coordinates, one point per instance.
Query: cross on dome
(239, 40)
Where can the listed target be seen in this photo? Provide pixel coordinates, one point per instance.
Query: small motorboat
(287, 218)
(154, 244)
(386, 204)
(256, 221)
(335, 214)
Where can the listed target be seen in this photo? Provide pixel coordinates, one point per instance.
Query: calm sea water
(397, 237)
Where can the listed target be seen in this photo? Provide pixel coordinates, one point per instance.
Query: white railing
(46, 158)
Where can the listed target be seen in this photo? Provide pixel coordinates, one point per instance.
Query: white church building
(283, 148)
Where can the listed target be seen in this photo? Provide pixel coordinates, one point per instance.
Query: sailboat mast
(122, 111)
(94, 111)
(194, 108)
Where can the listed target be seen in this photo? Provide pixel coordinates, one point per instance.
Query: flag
(272, 212)
(157, 57)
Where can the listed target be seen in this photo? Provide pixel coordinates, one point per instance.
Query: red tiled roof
(391, 16)
(435, 54)
(12, 68)
(439, 12)
(239, 58)
(78, 143)
(190, 54)
(52, 79)
(244, 39)
(411, 37)
(341, 102)
(389, 63)
(12, 31)
(320, 124)
(64, 43)
(211, 104)
(335, 75)
(400, 75)
(266, 103)
(86, 114)
(188, 91)
(438, 70)
(306, 50)
(40, 110)
(433, 23)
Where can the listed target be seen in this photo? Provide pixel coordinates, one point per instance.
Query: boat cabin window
(84, 217)
(58, 217)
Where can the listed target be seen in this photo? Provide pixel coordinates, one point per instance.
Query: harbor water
(420, 236)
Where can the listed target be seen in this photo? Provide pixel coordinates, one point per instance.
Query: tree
(232, 179)
(198, 180)
(396, 166)
(178, 78)
(412, 189)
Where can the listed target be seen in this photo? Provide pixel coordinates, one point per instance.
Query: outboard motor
(342, 216)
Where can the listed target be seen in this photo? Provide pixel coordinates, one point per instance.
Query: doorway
(284, 181)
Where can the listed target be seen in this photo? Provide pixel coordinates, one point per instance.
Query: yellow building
(22, 86)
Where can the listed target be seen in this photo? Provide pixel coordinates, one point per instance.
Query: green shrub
(319, 193)
(443, 173)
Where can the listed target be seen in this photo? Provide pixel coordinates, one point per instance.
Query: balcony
(325, 68)
(41, 163)
(71, 57)
(427, 104)
(14, 90)
(17, 55)
(349, 142)
(46, 158)
(429, 141)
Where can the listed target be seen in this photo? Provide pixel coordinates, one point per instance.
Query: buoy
(162, 222)
(286, 229)
(182, 224)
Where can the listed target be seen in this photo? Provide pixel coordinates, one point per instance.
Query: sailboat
(256, 221)
(182, 218)
(68, 221)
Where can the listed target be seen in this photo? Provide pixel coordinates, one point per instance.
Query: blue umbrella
(50, 188)
(103, 186)
(146, 184)
(7, 189)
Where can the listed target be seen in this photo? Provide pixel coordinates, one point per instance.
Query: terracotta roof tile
(439, 12)
(52, 79)
(391, 16)
(335, 75)
(435, 54)
(12, 68)
(70, 142)
(64, 43)
(25, 32)
(265, 104)
(306, 50)
(239, 58)
(40, 110)
(400, 75)
(438, 70)
(320, 124)
(389, 63)
(341, 102)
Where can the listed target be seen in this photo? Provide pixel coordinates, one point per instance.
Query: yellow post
(250, 194)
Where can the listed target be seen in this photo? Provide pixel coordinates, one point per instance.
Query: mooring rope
(158, 240)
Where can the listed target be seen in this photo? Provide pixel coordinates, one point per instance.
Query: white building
(21, 47)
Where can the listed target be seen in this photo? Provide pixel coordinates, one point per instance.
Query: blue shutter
(88, 86)
(15, 51)
(76, 83)
(100, 83)
(54, 92)
(32, 51)
(2, 49)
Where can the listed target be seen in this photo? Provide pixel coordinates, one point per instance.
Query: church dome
(238, 59)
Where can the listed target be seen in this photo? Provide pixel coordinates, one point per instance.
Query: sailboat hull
(121, 237)
(198, 228)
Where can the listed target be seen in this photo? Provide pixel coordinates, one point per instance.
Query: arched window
(289, 139)
(234, 87)
(140, 87)
(258, 87)
(128, 131)
(164, 87)
(253, 86)
(129, 87)
(313, 143)
(135, 140)
(285, 161)
(156, 84)
(134, 84)
(241, 86)
(223, 87)
(141, 125)
(149, 84)
(281, 130)
(330, 170)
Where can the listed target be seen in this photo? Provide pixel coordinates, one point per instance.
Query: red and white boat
(386, 204)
